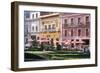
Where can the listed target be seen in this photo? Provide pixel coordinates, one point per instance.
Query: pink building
(76, 29)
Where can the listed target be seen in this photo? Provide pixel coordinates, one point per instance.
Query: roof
(49, 15)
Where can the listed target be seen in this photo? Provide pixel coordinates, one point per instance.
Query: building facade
(31, 27)
(50, 28)
(71, 29)
(76, 29)
(35, 23)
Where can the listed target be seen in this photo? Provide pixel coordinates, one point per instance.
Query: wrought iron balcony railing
(50, 30)
(77, 25)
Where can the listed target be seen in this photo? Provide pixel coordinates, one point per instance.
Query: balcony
(65, 25)
(50, 30)
(69, 25)
(87, 24)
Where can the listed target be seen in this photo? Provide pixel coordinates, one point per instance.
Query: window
(49, 27)
(36, 28)
(87, 32)
(33, 28)
(72, 32)
(87, 19)
(79, 32)
(72, 21)
(79, 20)
(33, 16)
(36, 15)
(65, 21)
(65, 32)
(45, 27)
(53, 26)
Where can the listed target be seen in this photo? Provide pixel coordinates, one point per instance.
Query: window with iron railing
(65, 21)
(65, 32)
(72, 21)
(87, 20)
(87, 32)
(53, 26)
(72, 32)
(79, 32)
(49, 27)
(45, 27)
(79, 21)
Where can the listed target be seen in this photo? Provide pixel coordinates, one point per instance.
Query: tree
(58, 46)
(34, 43)
(42, 46)
(52, 42)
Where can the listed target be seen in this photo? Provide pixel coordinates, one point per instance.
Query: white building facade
(31, 27)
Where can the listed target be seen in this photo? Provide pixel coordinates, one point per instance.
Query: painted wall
(46, 24)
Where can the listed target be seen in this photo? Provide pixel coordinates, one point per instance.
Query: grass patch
(60, 55)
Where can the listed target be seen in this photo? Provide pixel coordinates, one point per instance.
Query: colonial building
(32, 26)
(35, 23)
(76, 29)
(50, 28)
(72, 29)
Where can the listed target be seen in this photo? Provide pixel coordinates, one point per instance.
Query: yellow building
(50, 27)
